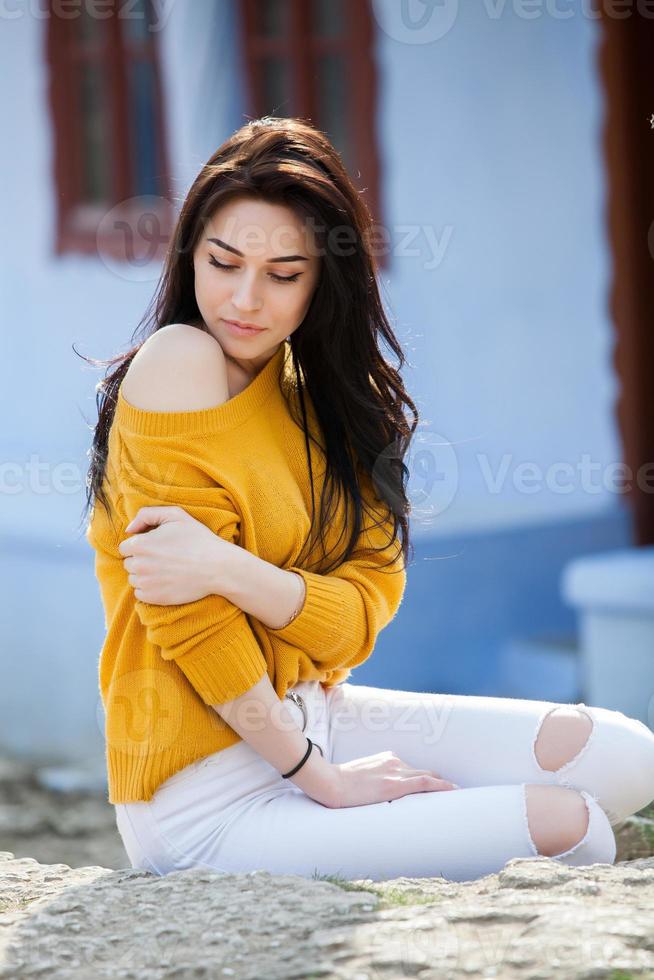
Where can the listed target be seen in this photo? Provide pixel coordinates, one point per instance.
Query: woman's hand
(172, 558)
(378, 778)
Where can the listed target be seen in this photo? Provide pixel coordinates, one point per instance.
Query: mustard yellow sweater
(240, 468)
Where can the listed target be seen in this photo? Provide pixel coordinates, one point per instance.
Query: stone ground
(70, 907)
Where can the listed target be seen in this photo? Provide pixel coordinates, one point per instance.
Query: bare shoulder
(179, 368)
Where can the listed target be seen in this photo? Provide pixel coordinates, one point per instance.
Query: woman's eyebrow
(279, 258)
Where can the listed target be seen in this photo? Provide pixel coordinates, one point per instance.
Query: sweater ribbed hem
(204, 420)
(324, 604)
(228, 668)
(133, 778)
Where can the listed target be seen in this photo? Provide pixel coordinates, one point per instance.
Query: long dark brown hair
(358, 397)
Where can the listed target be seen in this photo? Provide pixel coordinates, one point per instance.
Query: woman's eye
(219, 265)
(228, 268)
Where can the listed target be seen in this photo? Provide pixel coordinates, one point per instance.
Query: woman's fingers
(428, 772)
(421, 781)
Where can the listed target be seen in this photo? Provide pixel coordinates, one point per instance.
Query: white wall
(491, 136)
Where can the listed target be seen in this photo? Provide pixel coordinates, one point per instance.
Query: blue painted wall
(469, 596)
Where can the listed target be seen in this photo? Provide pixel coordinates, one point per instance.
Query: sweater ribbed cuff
(323, 614)
(225, 666)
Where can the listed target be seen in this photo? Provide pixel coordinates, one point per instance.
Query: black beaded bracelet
(292, 772)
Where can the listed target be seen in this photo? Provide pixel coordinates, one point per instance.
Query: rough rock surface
(535, 919)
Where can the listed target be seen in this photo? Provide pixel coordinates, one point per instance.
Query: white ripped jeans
(233, 812)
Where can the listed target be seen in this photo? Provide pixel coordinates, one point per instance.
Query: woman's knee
(563, 734)
(557, 817)
(568, 825)
(619, 769)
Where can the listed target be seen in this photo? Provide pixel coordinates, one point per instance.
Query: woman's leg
(235, 814)
(460, 835)
(484, 741)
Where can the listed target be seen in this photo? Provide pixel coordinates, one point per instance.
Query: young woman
(236, 606)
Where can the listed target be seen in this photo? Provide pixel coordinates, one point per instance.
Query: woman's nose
(246, 296)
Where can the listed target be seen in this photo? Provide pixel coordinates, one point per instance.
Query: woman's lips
(242, 331)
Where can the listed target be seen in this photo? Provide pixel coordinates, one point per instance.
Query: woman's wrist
(299, 604)
(318, 778)
(272, 595)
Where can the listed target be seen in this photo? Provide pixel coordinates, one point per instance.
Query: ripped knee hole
(562, 735)
(558, 818)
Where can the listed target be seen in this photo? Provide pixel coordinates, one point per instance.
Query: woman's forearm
(270, 594)
(264, 721)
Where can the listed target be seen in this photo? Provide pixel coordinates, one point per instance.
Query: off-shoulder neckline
(198, 421)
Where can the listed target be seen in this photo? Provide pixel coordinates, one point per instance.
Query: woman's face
(237, 279)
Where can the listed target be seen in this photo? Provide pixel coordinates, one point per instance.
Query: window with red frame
(314, 59)
(110, 163)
